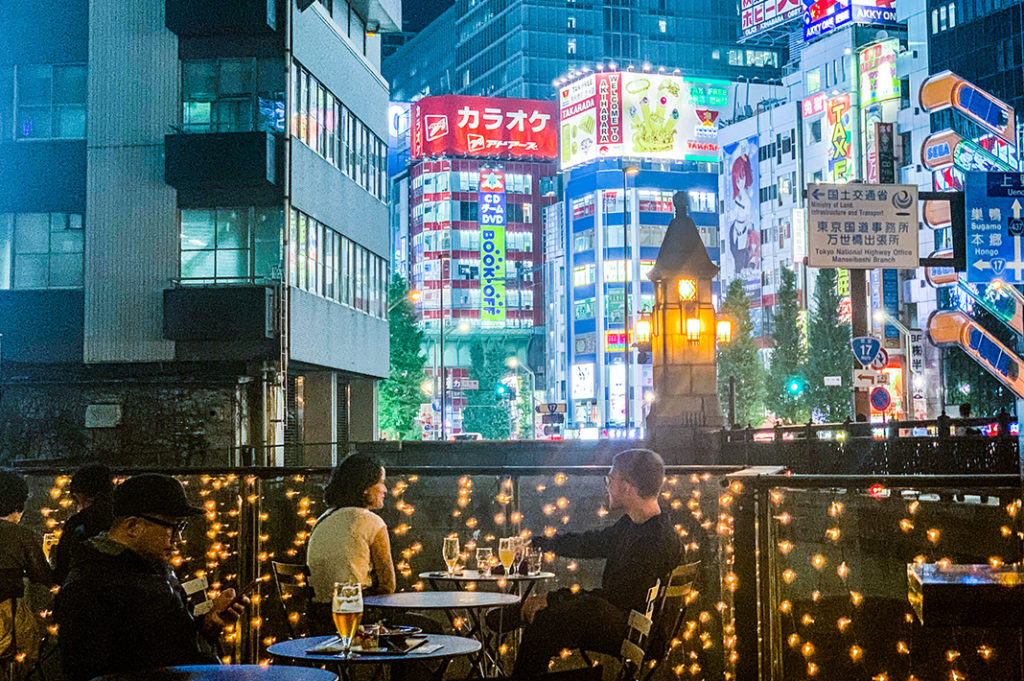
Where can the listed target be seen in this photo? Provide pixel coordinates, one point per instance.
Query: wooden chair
(293, 592)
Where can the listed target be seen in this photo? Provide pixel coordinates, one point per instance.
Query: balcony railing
(802, 577)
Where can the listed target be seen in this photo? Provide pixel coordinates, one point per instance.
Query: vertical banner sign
(885, 143)
(609, 108)
(492, 245)
(840, 166)
(741, 256)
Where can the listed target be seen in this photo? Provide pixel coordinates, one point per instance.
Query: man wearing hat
(121, 608)
(92, 488)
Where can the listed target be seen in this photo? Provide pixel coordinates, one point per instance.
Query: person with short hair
(122, 608)
(349, 542)
(639, 549)
(92, 489)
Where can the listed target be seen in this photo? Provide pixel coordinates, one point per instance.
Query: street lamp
(413, 296)
(627, 263)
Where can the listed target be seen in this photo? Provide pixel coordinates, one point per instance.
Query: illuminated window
(614, 271)
(51, 101)
(41, 250)
(583, 275)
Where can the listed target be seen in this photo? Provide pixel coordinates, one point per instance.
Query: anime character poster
(741, 230)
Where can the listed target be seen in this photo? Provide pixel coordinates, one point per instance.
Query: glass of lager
(347, 609)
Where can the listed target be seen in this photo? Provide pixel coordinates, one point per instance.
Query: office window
(583, 309)
(813, 81)
(814, 131)
(232, 95)
(571, 46)
(701, 202)
(583, 275)
(230, 245)
(41, 250)
(51, 101)
(614, 271)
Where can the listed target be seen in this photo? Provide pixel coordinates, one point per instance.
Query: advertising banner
(760, 15)
(640, 115)
(741, 254)
(491, 219)
(825, 16)
(878, 79)
(488, 127)
(840, 126)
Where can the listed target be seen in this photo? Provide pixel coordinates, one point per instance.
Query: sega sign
(488, 127)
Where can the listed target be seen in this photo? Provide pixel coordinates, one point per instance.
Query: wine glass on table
(450, 553)
(506, 553)
(483, 561)
(347, 610)
(519, 544)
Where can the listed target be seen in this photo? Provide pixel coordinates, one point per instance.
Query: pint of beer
(347, 610)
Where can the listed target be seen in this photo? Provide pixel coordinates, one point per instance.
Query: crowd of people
(121, 608)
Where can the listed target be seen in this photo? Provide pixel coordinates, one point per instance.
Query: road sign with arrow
(995, 226)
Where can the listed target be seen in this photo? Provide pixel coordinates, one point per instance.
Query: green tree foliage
(400, 394)
(485, 412)
(739, 359)
(828, 353)
(787, 395)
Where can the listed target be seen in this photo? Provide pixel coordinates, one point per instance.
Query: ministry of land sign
(862, 226)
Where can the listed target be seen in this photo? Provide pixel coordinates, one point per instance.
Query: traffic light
(795, 385)
(504, 391)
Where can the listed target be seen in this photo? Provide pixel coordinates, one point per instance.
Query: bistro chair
(294, 593)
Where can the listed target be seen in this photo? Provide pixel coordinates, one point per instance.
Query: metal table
(474, 603)
(295, 650)
(223, 672)
(524, 583)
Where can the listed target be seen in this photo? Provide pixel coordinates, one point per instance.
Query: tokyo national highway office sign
(862, 226)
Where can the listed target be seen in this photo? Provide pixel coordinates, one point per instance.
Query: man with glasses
(640, 548)
(122, 608)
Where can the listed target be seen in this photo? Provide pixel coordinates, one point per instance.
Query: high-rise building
(516, 48)
(193, 228)
(480, 173)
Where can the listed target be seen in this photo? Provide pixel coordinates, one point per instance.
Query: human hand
(225, 611)
(532, 606)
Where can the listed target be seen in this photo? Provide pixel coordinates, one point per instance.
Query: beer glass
(450, 552)
(534, 561)
(506, 552)
(347, 610)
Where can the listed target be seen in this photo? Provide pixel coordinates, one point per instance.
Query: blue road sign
(865, 349)
(880, 398)
(995, 225)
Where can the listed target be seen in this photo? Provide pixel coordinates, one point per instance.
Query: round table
(223, 672)
(451, 646)
(523, 583)
(474, 603)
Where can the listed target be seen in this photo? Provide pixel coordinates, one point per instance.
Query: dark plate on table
(397, 630)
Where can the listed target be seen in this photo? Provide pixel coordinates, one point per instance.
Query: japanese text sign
(491, 218)
(862, 226)
(825, 16)
(995, 225)
(760, 15)
(456, 125)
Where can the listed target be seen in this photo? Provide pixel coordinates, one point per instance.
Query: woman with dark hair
(92, 488)
(349, 542)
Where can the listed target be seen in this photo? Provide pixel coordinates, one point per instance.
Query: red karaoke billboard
(488, 127)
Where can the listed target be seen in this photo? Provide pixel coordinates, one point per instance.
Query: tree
(486, 412)
(828, 353)
(400, 394)
(787, 394)
(740, 360)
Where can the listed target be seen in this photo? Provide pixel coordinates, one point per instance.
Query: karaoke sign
(489, 127)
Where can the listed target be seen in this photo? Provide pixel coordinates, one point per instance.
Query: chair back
(634, 645)
(293, 591)
(669, 607)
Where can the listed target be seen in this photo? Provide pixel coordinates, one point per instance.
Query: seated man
(122, 608)
(638, 549)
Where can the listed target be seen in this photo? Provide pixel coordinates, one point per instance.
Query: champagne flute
(483, 561)
(347, 610)
(450, 552)
(506, 552)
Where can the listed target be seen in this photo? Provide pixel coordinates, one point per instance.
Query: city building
(480, 172)
(193, 228)
(516, 48)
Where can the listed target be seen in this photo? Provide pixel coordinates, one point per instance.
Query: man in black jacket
(91, 487)
(122, 609)
(640, 548)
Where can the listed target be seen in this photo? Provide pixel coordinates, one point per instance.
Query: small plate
(398, 630)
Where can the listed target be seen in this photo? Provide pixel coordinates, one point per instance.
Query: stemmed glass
(483, 561)
(450, 552)
(347, 609)
(506, 552)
